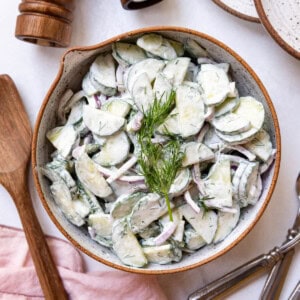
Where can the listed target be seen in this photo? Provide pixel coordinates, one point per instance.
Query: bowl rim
(120, 37)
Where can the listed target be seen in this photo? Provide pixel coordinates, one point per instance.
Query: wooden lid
(45, 23)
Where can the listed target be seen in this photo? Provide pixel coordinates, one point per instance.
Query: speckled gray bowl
(74, 65)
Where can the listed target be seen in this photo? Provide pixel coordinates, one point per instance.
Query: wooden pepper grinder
(45, 22)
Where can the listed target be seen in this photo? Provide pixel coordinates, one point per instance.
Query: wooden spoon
(15, 141)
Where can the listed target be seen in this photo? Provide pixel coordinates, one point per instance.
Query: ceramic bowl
(74, 66)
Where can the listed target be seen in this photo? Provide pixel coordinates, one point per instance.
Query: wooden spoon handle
(50, 281)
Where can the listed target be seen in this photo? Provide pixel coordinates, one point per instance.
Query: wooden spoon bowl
(15, 141)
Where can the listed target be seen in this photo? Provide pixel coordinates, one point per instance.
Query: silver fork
(261, 262)
(274, 282)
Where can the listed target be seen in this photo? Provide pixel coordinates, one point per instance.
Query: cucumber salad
(158, 153)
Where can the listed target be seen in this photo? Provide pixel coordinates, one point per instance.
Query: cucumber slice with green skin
(108, 91)
(103, 70)
(170, 125)
(90, 177)
(101, 223)
(226, 223)
(149, 66)
(127, 54)
(239, 138)
(181, 182)
(87, 85)
(190, 110)
(76, 113)
(114, 151)
(193, 241)
(195, 153)
(231, 124)
(194, 49)
(175, 70)
(62, 197)
(162, 87)
(218, 186)
(178, 47)
(89, 198)
(63, 138)
(124, 205)
(142, 92)
(204, 223)
(252, 110)
(157, 46)
(150, 42)
(101, 122)
(140, 217)
(81, 207)
(248, 179)
(261, 145)
(215, 84)
(227, 106)
(126, 245)
(117, 107)
(163, 254)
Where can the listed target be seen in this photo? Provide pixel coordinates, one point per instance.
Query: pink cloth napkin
(18, 280)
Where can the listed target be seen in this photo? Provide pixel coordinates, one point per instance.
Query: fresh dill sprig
(159, 163)
(202, 204)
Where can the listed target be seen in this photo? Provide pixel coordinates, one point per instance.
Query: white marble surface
(34, 68)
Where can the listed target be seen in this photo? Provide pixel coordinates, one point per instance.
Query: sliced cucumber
(196, 152)
(231, 124)
(101, 122)
(90, 177)
(215, 84)
(101, 223)
(117, 107)
(127, 54)
(124, 204)
(181, 182)
(62, 197)
(142, 92)
(194, 49)
(103, 71)
(190, 110)
(175, 70)
(163, 254)
(226, 223)
(193, 241)
(63, 138)
(150, 42)
(114, 151)
(75, 115)
(162, 87)
(260, 145)
(218, 186)
(170, 125)
(178, 47)
(157, 46)
(140, 217)
(87, 85)
(251, 110)
(205, 222)
(126, 245)
(149, 66)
